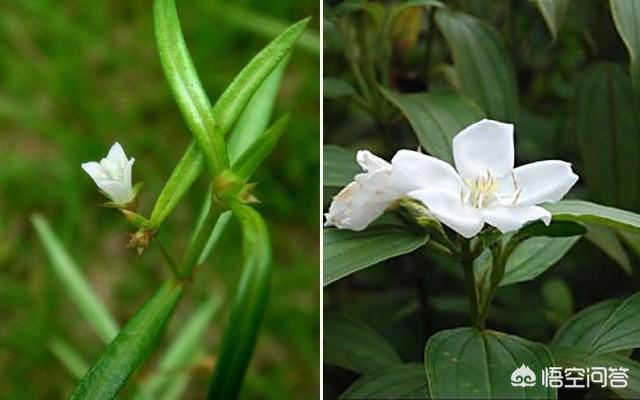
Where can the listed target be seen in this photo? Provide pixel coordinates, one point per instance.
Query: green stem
(172, 265)
(199, 242)
(470, 280)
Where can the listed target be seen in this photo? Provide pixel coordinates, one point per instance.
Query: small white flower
(366, 198)
(485, 187)
(113, 175)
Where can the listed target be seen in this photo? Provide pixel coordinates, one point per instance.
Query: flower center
(481, 191)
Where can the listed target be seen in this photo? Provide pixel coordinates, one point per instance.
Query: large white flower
(113, 175)
(366, 198)
(485, 187)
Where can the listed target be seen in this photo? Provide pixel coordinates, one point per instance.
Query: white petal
(484, 146)
(116, 154)
(544, 181)
(95, 171)
(412, 170)
(117, 192)
(448, 209)
(370, 162)
(127, 173)
(360, 203)
(508, 219)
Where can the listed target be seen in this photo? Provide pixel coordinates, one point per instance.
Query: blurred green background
(575, 102)
(75, 76)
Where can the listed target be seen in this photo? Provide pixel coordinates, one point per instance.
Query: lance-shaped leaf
(577, 358)
(607, 240)
(84, 297)
(403, 381)
(253, 89)
(581, 329)
(130, 348)
(186, 87)
(183, 353)
(346, 252)
(587, 212)
(253, 156)
(607, 126)
(554, 13)
(436, 117)
(353, 345)
(338, 166)
(472, 364)
(240, 336)
(626, 15)
(482, 65)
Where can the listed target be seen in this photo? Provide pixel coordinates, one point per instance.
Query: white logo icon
(523, 377)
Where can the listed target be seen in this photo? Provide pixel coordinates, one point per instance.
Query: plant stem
(470, 280)
(172, 265)
(199, 242)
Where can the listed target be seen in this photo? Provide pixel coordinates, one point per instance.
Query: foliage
(411, 74)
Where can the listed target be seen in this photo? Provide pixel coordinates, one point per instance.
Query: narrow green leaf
(471, 364)
(581, 329)
(621, 330)
(130, 348)
(255, 88)
(182, 354)
(554, 13)
(403, 381)
(186, 87)
(353, 345)
(84, 297)
(338, 166)
(481, 62)
(587, 212)
(230, 104)
(248, 308)
(571, 357)
(607, 125)
(436, 117)
(256, 115)
(261, 147)
(554, 229)
(534, 256)
(346, 252)
(69, 357)
(606, 239)
(626, 15)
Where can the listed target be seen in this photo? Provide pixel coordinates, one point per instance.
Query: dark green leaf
(558, 298)
(240, 336)
(481, 63)
(555, 229)
(571, 357)
(607, 125)
(436, 117)
(606, 239)
(404, 381)
(626, 15)
(339, 166)
(554, 13)
(471, 364)
(351, 344)
(587, 212)
(334, 88)
(346, 252)
(130, 348)
(580, 330)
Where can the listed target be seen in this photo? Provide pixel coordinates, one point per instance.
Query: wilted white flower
(366, 198)
(113, 175)
(484, 186)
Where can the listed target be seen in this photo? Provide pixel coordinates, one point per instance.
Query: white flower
(485, 187)
(113, 175)
(366, 198)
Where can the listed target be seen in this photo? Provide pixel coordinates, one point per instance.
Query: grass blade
(130, 348)
(69, 357)
(240, 335)
(92, 309)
